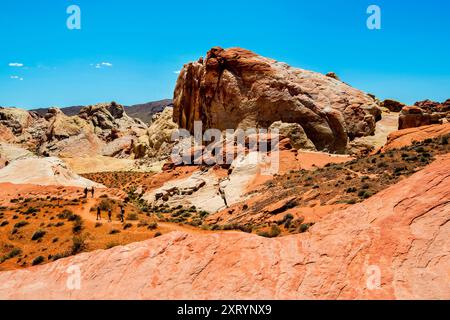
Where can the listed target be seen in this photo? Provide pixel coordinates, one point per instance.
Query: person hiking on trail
(122, 214)
(92, 191)
(109, 215)
(85, 192)
(99, 216)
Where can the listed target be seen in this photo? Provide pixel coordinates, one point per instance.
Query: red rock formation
(400, 234)
(413, 116)
(432, 106)
(236, 88)
(393, 105)
(405, 137)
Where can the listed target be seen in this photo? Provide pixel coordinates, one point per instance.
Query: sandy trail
(165, 227)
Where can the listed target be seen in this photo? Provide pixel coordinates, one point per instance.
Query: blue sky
(147, 41)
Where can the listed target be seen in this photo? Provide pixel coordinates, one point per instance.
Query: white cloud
(102, 65)
(177, 72)
(16, 78)
(15, 64)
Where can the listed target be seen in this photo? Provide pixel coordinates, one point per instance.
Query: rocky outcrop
(432, 106)
(159, 134)
(393, 105)
(295, 133)
(412, 116)
(102, 129)
(44, 172)
(406, 137)
(394, 245)
(236, 88)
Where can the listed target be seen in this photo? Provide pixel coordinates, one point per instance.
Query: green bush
(38, 260)
(38, 235)
(152, 225)
(127, 226)
(78, 245)
(20, 224)
(132, 217)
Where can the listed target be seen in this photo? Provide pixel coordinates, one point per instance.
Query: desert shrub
(59, 224)
(142, 224)
(157, 234)
(31, 210)
(98, 224)
(4, 223)
(110, 245)
(38, 260)
(78, 245)
(20, 224)
(132, 217)
(152, 225)
(65, 214)
(127, 226)
(263, 234)
(274, 231)
(304, 227)
(351, 190)
(55, 240)
(13, 253)
(38, 235)
(59, 256)
(77, 226)
(245, 228)
(114, 231)
(106, 204)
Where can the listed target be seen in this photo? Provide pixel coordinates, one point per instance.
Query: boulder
(393, 105)
(413, 116)
(159, 134)
(295, 133)
(236, 88)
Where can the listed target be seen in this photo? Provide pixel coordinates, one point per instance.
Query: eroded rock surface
(236, 88)
(400, 234)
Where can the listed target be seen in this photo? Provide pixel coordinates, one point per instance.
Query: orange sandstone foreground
(400, 234)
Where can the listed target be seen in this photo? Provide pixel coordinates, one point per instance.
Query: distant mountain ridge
(143, 111)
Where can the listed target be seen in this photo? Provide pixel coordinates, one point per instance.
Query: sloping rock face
(236, 88)
(406, 137)
(394, 245)
(43, 171)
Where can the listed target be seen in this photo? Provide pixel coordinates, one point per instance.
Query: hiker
(92, 191)
(99, 213)
(85, 192)
(109, 215)
(122, 214)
